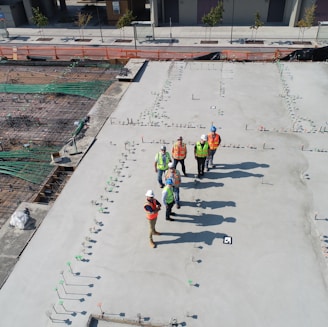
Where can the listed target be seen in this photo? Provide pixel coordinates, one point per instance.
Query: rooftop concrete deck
(91, 253)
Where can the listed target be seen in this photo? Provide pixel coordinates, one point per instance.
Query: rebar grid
(29, 120)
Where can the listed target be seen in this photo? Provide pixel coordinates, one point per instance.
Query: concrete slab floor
(14, 240)
(267, 192)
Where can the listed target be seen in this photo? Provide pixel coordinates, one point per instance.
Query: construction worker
(152, 207)
(161, 164)
(201, 152)
(175, 175)
(168, 199)
(179, 154)
(214, 140)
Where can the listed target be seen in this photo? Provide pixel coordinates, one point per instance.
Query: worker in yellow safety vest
(214, 141)
(175, 175)
(162, 160)
(201, 152)
(179, 154)
(168, 199)
(152, 207)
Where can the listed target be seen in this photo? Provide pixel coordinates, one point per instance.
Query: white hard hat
(171, 165)
(203, 137)
(150, 194)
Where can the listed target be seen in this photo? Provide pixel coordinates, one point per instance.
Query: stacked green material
(92, 90)
(32, 165)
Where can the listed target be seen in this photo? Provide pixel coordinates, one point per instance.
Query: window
(147, 4)
(116, 7)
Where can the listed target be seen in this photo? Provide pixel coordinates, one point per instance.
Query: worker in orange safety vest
(152, 207)
(214, 141)
(179, 154)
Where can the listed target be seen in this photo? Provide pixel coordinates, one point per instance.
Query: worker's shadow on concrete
(200, 184)
(242, 166)
(206, 237)
(232, 174)
(204, 219)
(208, 204)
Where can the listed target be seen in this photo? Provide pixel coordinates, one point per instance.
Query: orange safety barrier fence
(107, 53)
(254, 56)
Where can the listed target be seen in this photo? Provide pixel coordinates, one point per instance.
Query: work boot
(156, 233)
(152, 244)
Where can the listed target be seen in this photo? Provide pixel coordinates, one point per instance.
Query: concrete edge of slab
(131, 70)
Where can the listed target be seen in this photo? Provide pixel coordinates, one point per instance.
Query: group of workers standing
(204, 152)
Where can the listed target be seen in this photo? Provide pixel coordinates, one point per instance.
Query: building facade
(237, 12)
(177, 12)
(19, 12)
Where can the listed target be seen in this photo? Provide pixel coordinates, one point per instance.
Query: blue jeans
(160, 176)
(209, 159)
(176, 192)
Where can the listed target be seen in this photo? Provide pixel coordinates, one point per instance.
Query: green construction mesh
(32, 165)
(92, 90)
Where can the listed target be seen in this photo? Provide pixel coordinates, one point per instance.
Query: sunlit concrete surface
(267, 193)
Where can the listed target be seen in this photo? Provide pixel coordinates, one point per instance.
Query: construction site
(249, 244)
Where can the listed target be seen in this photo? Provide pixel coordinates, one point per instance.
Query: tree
(83, 20)
(213, 17)
(39, 19)
(257, 24)
(125, 20)
(307, 21)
